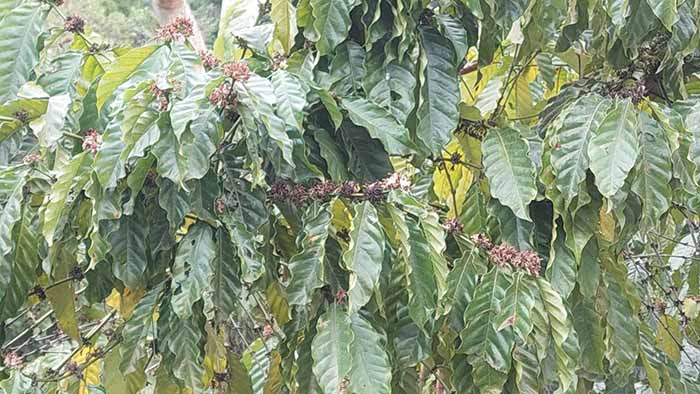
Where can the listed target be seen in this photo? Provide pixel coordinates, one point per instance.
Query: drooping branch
(167, 10)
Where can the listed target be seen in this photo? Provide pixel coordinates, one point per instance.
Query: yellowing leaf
(668, 332)
(91, 373)
(283, 15)
(125, 302)
(459, 176)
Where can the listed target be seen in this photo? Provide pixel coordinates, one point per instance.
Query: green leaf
(666, 11)
(258, 96)
(195, 252)
(186, 344)
(175, 202)
(284, 17)
(305, 267)
(49, 127)
(591, 336)
(482, 338)
(226, 284)
(24, 261)
(66, 71)
(561, 266)
(137, 329)
(17, 383)
(370, 370)
(331, 153)
(331, 349)
(291, 98)
(71, 175)
(129, 249)
(109, 166)
(510, 170)
(135, 64)
(364, 255)
(12, 182)
(562, 333)
(622, 330)
(461, 284)
(437, 114)
(527, 370)
(653, 172)
(19, 32)
(423, 293)
(569, 146)
(614, 149)
(516, 307)
(62, 297)
(379, 123)
(172, 163)
(331, 22)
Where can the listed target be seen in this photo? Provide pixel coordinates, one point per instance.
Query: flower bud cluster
(505, 254)
(92, 141)
(238, 71)
(179, 29)
(209, 61)
(223, 97)
(13, 360)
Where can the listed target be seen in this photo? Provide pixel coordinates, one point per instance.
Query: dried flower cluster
(74, 24)
(505, 254)
(636, 93)
(299, 195)
(22, 115)
(179, 29)
(92, 141)
(238, 71)
(209, 61)
(223, 96)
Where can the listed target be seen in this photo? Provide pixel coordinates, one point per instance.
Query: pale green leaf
(306, 267)
(379, 123)
(437, 114)
(192, 268)
(364, 255)
(331, 349)
(331, 22)
(510, 170)
(614, 149)
(19, 31)
(370, 370)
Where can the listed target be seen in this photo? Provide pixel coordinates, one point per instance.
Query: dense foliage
(382, 196)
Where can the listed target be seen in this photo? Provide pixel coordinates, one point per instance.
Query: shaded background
(133, 22)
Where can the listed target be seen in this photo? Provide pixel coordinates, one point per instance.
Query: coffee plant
(345, 196)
